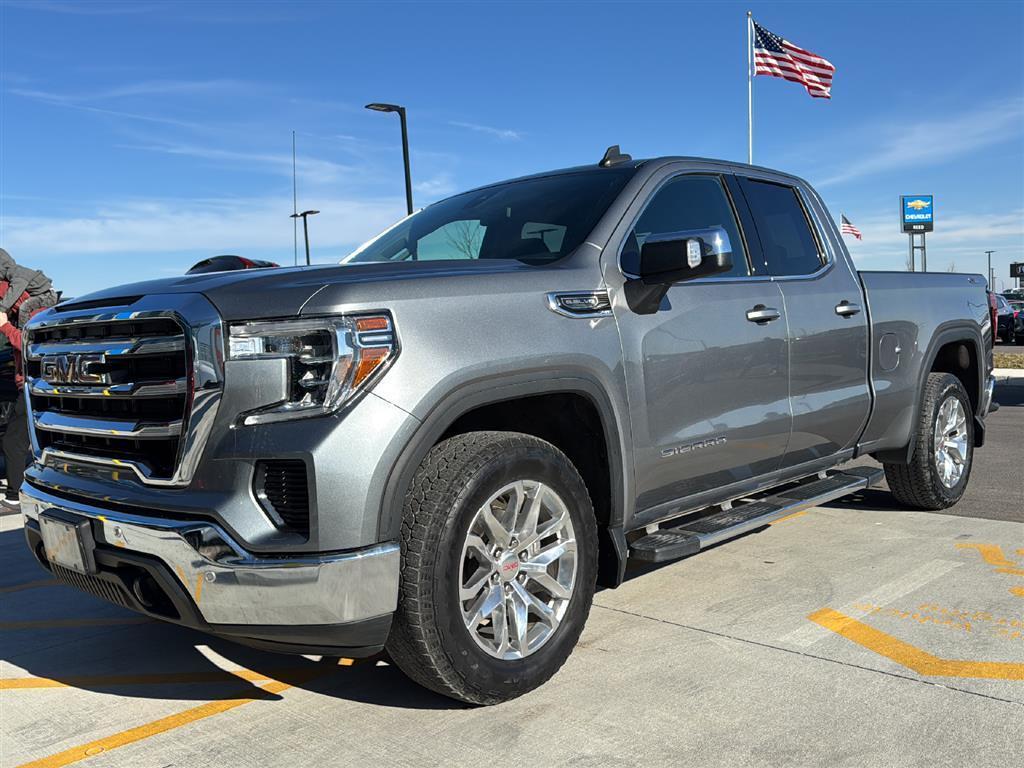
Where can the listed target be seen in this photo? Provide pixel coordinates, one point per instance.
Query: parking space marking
(993, 555)
(159, 678)
(793, 516)
(28, 585)
(74, 623)
(990, 553)
(910, 656)
(810, 634)
(171, 722)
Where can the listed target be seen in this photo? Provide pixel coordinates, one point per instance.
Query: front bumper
(193, 573)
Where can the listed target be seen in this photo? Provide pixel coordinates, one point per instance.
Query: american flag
(780, 58)
(849, 229)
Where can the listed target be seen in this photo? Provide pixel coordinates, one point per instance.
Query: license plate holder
(68, 540)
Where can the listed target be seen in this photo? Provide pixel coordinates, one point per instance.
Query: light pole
(405, 146)
(305, 227)
(989, 275)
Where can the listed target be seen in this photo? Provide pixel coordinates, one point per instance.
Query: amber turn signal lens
(371, 324)
(369, 360)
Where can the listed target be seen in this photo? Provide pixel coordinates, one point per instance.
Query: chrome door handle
(761, 314)
(846, 309)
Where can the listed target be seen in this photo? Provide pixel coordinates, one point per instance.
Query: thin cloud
(929, 142)
(83, 9)
(957, 238)
(143, 88)
(312, 170)
(209, 226)
(505, 134)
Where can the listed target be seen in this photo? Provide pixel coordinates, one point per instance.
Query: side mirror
(677, 256)
(672, 258)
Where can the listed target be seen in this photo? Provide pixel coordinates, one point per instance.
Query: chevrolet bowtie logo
(917, 205)
(74, 369)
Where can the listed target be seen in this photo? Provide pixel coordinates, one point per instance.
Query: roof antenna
(295, 208)
(612, 156)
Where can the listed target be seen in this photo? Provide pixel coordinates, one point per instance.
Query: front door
(707, 373)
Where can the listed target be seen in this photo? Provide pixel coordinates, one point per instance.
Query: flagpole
(750, 91)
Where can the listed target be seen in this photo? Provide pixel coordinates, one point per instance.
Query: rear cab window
(789, 242)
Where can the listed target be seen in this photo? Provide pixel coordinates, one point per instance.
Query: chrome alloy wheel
(518, 569)
(951, 441)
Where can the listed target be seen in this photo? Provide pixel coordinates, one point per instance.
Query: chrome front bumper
(230, 586)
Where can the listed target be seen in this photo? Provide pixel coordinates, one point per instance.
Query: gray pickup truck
(442, 445)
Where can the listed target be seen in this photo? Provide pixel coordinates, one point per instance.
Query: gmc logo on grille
(74, 369)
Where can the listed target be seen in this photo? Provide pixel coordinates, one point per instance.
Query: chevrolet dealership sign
(918, 214)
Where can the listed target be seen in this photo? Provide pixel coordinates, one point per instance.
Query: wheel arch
(943, 356)
(459, 405)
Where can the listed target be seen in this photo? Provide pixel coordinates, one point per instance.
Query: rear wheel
(938, 471)
(499, 560)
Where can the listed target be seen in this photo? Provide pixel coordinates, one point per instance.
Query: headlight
(329, 359)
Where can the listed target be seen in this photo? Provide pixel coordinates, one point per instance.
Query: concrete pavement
(856, 634)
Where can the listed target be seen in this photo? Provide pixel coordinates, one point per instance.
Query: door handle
(761, 314)
(846, 309)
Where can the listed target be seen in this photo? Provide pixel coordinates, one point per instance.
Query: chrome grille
(134, 389)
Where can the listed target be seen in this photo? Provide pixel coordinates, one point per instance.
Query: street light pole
(377, 107)
(989, 275)
(305, 228)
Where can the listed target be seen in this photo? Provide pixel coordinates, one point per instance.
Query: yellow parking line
(910, 656)
(990, 553)
(73, 623)
(801, 513)
(164, 724)
(28, 585)
(160, 678)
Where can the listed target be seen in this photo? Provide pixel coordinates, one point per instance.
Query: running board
(697, 534)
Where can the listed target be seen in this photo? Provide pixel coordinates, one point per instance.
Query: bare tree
(951, 267)
(465, 237)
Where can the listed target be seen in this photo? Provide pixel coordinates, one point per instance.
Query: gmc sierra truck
(440, 446)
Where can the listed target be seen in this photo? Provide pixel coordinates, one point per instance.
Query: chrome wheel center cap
(508, 567)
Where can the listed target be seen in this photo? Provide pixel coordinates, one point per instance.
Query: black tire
(1019, 339)
(918, 484)
(429, 640)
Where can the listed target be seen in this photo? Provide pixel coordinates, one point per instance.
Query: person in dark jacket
(29, 287)
(16, 445)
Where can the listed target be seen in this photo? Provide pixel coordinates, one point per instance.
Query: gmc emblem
(74, 369)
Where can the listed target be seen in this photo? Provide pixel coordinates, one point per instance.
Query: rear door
(827, 322)
(707, 381)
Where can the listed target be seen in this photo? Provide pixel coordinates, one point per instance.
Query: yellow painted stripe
(1018, 591)
(72, 623)
(910, 656)
(1011, 571)
(169, 723)
(990, 553)
(28, 585)
(164, 724)
(795, 515)
(162, 678)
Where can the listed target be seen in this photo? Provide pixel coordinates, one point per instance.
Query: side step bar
(703, 532)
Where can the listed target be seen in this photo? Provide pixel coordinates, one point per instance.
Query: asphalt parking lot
(856, 634)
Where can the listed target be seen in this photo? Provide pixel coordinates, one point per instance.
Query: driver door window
(686, 203)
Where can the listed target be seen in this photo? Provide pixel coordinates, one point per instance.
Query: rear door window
(787, 240)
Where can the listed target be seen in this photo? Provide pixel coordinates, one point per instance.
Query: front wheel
(499, 562)
(936, 475)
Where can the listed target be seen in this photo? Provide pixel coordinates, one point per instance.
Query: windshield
(535, 221)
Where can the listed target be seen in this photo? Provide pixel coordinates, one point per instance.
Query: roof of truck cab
(652, 162)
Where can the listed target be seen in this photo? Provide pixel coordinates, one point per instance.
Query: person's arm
(8, 329)
(17, 286)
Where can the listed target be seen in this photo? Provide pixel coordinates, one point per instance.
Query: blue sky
(137, 138)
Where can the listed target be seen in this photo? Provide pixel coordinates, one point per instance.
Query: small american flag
(849, 229)
(780, 58)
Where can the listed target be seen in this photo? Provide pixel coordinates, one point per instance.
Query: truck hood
(260, 293)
